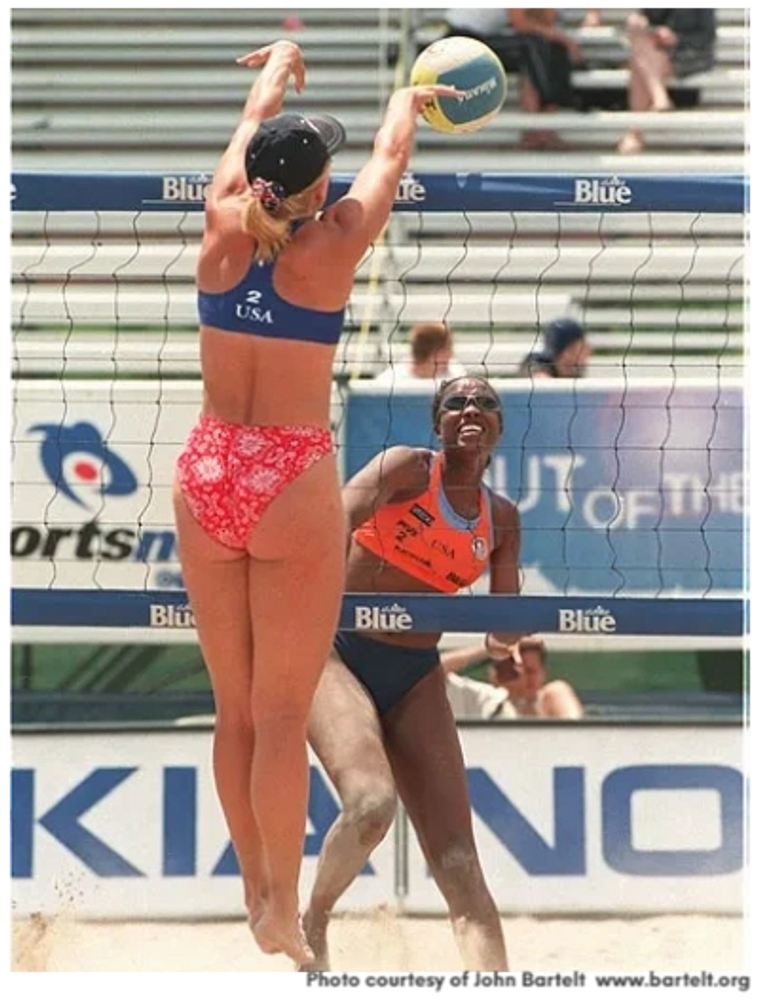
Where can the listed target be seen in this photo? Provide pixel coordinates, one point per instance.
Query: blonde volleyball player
(257, 499)
(420, 522)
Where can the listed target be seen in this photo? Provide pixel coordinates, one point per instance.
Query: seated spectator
(565, 352)
(431, 348)
(490, 25)
(530, 42)
(548, 56)
(471, 699)
(522, 674)
(664, 43)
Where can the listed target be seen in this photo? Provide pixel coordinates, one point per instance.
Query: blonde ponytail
(271, 227)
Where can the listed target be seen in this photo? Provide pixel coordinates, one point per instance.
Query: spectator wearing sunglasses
(420, 521)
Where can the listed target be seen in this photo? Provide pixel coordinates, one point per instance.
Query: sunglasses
(456, 404)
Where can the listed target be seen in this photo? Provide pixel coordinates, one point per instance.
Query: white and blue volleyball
(472, 68)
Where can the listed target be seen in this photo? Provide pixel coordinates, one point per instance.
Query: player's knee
(233, 720)
(371, 812)
(280, 724)
(286, 709)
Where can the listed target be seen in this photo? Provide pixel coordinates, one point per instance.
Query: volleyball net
(631, 482)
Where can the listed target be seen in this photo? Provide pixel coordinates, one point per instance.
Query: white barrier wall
(589, 817)
(93, 466)
(603, 818)
(127, 824)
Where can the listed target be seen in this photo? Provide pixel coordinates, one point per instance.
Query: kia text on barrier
(172, 811)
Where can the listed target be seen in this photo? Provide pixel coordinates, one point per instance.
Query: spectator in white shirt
(471, 699)
(520, 676)
(431, 357)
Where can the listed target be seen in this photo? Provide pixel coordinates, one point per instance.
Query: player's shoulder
(401, 456)
(404, 469)
(332, 229)
(505, 511)
(408, 452)
(407, 457)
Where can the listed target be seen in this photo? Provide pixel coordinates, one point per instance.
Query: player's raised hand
(421, 95)
(284, 50)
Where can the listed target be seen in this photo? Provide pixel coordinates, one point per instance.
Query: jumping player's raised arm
(279, 61)
(361, 215)
(257, 493)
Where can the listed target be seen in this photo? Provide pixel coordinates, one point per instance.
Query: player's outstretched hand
(284, 50)
(422, 94)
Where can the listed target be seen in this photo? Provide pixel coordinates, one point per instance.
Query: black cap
(559, 334)
(293, 149)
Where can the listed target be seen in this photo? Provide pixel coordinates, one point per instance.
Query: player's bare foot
(255, 911)
(315, 929)
(255, 903)
(279, 935)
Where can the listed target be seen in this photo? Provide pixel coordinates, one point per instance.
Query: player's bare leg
(346, 735)
(428, 765)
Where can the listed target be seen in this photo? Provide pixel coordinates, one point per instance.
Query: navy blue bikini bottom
(387, 672)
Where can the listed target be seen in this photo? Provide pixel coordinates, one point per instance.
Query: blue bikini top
(253, 306)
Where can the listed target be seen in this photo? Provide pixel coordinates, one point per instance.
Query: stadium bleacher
(158, 89)
(719, 126)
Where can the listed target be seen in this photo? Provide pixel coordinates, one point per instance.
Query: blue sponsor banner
(622, 490)
(169, 610)
(186, 191)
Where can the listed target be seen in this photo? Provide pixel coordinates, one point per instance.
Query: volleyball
(469, 66)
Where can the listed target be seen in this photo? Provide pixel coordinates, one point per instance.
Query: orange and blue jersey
(427, 539)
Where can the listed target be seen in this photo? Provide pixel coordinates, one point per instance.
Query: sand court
(386, 941)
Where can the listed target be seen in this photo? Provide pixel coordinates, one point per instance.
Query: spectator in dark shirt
(529, 41)
(565, 352)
